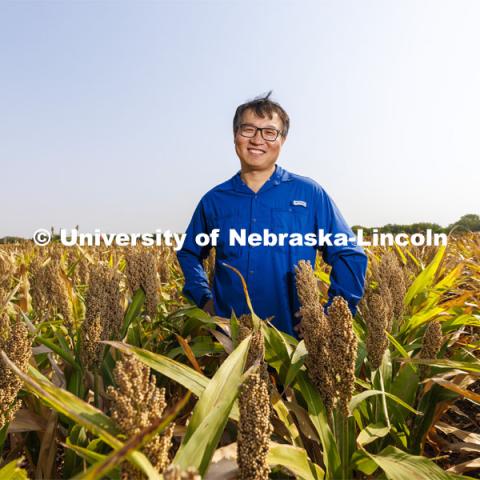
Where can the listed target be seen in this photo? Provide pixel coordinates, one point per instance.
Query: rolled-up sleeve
(191, 257)
(348, 262)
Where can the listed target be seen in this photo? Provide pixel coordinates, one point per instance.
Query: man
(262, 195)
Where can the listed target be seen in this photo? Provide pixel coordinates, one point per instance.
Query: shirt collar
(278, 176)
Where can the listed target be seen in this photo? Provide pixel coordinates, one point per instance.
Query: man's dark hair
(262, 106)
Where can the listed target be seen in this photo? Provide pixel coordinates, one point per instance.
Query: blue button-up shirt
(286, 203)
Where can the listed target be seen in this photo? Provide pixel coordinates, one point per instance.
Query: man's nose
(257, 138)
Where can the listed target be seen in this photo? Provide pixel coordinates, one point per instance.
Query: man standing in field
(263, 195)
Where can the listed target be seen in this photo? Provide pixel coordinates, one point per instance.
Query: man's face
(256, 153)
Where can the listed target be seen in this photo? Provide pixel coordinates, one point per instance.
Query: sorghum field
(106, 371)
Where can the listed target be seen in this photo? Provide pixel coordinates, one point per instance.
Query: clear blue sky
(117, 115)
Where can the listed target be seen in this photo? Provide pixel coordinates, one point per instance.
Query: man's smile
(256, 151)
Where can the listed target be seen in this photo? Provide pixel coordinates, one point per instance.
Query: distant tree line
(467, 223)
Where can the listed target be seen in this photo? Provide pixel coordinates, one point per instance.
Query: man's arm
(191, 257)
(348, 262)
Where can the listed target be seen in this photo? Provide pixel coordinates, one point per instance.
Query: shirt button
(254, 219)
(251, 272)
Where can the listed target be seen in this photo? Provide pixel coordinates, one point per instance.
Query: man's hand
(209, 308)
(299, 327)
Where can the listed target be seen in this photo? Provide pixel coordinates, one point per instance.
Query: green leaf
(184, 375)
(277, 351)
(211, 412)
(399, 347)
(294, 459)
(422, 317)
(75, 383)
(404, 386)
(298, 358)
(469, 366)
(192, 312)
(323, 276)
(371, 433)
(65, 354)
(360, 397)
(444, 285)
(344, 430)
(201, 446)
(362, 462)
(85, 453)
(133, 310)
(460, 321)
(3, 436)
(401, 254)
(12, 471)
(318, 416)
(385, 369)
(379, 384)
(414, 259)
(399, 465)
(428, 405)
(200, 346)
(425, 278)
(226, 380)
(72, 463)
(285, 417)
(234, 328)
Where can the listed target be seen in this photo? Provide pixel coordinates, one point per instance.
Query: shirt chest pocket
(289, 220)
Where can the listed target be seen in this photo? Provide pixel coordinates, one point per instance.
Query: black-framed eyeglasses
(249, 131)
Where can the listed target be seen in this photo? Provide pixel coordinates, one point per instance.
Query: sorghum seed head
(376, 318)
(164, 261)
(49, 291)
(142, 273)
(104, 313)
(14, 341)
(254, 428)
(431, 344)
(392, 275)
(136, 403)
(316, 334)
(390, 280)
(256, 351)
(7, 270)
(343, 351)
